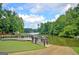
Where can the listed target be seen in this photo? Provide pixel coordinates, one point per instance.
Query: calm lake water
(33, 33)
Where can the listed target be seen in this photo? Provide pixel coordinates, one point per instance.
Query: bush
(69, 31)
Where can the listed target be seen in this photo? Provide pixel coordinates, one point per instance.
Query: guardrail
(36, 39)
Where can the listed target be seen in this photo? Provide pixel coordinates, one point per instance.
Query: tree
(69, 31)
(66, 25)
(10, 22)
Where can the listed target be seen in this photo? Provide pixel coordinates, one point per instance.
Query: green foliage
(76, 49)
(45, 28)
(69, 31)
(66, 25)
(55, 40)
(10, 22)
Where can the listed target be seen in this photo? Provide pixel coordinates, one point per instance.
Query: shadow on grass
(3, 53)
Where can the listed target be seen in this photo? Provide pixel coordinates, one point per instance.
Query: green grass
(76, 49)
(63, 41)
(70, 42)
(16, 46)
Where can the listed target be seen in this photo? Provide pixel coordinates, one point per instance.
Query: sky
(37, 13)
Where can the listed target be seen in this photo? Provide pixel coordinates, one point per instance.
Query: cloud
(32, 20)
(15, 9)
(68, 6)
(36, 13)
(63, 10)
(43, 7)
(20, 8)
(36, 9)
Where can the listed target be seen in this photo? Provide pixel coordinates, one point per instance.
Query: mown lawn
(17, 46)
(73, 43)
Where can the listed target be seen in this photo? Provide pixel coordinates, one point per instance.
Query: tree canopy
(10, 22)
(66, 25)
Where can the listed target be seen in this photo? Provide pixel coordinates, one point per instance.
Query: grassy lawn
(74, 43)
(16, 46)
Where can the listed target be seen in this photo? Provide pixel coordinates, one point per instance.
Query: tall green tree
(10, 22)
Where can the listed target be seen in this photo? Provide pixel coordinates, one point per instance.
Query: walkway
(50, 50)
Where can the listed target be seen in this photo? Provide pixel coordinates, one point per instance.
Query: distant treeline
(29, 30)
(10, 22)
(66, 25)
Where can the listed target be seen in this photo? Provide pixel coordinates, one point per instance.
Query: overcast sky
(36, 13)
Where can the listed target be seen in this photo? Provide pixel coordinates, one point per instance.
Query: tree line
(30, 30)
(67, 25)
(10, 22)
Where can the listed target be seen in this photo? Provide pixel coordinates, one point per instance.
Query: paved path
(50, 50)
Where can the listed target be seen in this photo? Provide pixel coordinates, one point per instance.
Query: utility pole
(38, 26)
